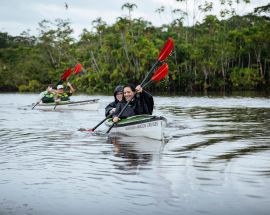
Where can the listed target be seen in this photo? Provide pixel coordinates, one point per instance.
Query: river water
(215, 159)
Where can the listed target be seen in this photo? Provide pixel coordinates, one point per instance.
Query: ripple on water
(216, 154)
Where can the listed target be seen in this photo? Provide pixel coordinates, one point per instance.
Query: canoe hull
(71, 105)
(144, 126)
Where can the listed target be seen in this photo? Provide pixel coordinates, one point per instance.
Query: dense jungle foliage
(226, 54)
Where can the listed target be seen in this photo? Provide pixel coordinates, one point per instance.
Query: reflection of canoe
(137, 151)
(140, 126)
(141, 145)
(70, 105)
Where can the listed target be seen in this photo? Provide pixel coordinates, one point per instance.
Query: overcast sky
(17, 16)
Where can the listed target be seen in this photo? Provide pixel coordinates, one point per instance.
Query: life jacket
(48, 97)
(63, 96)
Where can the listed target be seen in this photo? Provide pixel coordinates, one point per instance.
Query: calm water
(215, 160)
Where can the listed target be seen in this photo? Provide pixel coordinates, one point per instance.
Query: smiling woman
(142, 103)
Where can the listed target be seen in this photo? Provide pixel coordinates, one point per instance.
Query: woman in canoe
(141, 103)
(118, 97)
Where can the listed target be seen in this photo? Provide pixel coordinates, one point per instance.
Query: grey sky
(17, 16)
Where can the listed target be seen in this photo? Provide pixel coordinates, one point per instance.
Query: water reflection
(137, 151)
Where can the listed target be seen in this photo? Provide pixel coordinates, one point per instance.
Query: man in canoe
(141, 103)
(63, 95)
(118, 97)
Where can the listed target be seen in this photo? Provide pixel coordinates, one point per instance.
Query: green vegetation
(227, 54)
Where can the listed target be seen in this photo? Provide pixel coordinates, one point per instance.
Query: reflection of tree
(131, 150)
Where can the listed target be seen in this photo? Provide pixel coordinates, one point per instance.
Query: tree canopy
(216, 54)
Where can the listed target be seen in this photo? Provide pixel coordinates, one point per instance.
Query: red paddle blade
(67, 73)
(78, 69)
(161, 72)
(167, 49)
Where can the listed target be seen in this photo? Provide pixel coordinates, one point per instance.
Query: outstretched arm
(71, 89)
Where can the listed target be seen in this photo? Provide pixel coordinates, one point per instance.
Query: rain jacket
(142, 103)
(113, 104)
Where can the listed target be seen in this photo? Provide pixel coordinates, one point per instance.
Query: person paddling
(63, 95)
(141, 103)
(48, 95)
(118, 97)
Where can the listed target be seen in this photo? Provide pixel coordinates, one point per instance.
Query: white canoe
(140, 126)
(92, 104)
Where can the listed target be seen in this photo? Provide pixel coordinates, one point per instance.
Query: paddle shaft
(150, 71)
(36, 104)
(107, 117)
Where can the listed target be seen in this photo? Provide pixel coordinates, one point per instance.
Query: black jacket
(109, 107)
(142, 103)
(112, 105)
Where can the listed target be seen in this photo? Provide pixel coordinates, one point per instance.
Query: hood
(117, 89)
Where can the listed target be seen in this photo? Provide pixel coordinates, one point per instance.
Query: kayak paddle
(164, 53)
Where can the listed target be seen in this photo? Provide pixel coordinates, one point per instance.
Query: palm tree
(130, 7)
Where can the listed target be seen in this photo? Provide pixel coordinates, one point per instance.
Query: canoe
(70, 105)
(140, 126)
